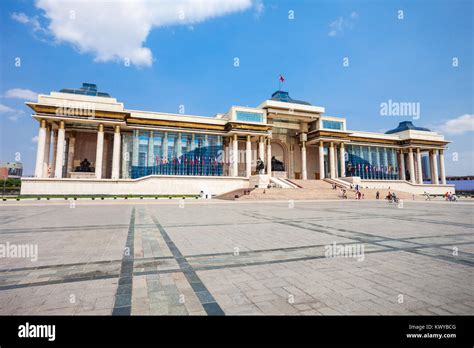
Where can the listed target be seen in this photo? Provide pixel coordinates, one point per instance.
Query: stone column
(342, 160)
(116, 154)
(411, 165)
(40, 149)
(99, 153)
(126, 157)
(70, 154)
(227, 168)
(304, 171)
(261, 148)
(54, 146)
(434, 174)
(321, 160)
(47, 150)
(235, 155)
(402, 166)
(420, 170)
(165, 145)
(135, 148)
(441, 167)
(58, 172)
(332, 167)
(269, 157)
(193, 142)
(151, 150)
(248, 157)
(291, 164)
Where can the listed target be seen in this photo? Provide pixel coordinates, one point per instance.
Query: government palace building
(90, 143)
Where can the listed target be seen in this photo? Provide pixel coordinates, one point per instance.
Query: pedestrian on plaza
(377, 195)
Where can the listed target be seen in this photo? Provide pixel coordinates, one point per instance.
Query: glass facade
(170, 153)
(245, 116)
(333, 125)
(370, 162)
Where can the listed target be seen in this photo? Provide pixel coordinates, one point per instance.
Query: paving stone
(280, 269)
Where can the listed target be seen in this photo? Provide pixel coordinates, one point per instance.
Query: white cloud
(20, 93)
(12, 114)
(5, 109)
(259, 8)
(458, 125)
(33, 22)
(34, 139)
(338, 26)
(116, 31)
(464, 163)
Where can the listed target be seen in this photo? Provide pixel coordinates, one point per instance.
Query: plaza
(212, 257)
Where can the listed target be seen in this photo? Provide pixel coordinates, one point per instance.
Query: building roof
(406, 125)
(285, 97)
(86, 89)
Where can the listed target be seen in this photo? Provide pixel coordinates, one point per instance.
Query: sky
(350, 57)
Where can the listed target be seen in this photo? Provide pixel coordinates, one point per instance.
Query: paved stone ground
(235, 258)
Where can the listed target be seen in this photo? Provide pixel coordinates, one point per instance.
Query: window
(332, 125)
(376, 163)
(245, 116)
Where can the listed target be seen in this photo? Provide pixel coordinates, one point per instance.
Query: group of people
(450, 197)
(359, 194)
(343, 193)
(392, 197)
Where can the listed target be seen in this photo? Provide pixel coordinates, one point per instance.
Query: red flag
(281, 78)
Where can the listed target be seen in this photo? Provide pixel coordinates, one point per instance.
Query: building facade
(88, 142)
(11, 170)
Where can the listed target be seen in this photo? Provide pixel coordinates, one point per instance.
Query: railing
(11, 191)
(175, 168)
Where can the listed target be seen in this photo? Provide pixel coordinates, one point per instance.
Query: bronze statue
(277, 165)
(260, 166)
(85, 166)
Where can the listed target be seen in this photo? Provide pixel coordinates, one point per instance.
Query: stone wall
(150, 185)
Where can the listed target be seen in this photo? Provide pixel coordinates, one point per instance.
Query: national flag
(281, 78)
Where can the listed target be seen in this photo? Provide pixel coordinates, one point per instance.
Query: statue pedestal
(281, 175)
(82, 175)
(259, 181)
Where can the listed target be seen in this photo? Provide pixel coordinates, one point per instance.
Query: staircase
(310, 190)
(301, 190)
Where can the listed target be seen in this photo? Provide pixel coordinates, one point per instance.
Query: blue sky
(189, 60)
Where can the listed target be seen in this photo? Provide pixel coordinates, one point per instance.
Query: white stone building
(89, 143)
